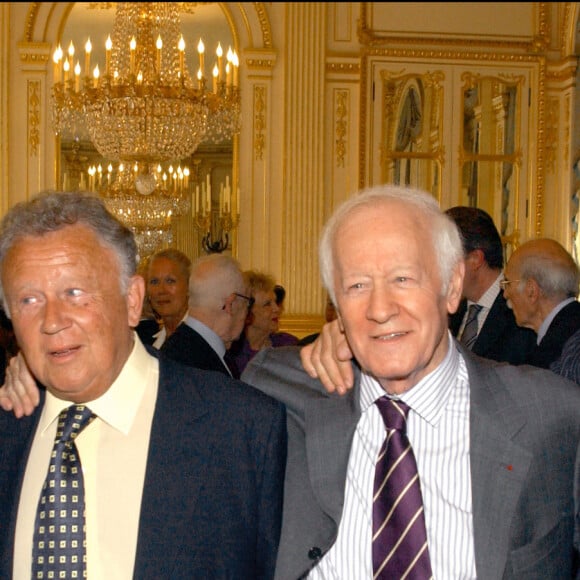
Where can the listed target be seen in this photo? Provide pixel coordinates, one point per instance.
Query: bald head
(550, 265)
(540, 274)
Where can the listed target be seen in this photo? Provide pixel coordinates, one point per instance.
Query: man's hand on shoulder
(328, 359)
(19, 393)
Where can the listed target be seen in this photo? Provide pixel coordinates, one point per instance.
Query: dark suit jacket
(564, 325)
(525, 465)
(213, 487)
(187, 346)
(500, 338)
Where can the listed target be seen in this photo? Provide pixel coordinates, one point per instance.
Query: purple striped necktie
(399, 534)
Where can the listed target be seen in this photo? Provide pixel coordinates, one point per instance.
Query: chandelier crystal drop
(142, 108)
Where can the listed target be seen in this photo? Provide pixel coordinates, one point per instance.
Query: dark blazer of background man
(542, 291)
(500, 338)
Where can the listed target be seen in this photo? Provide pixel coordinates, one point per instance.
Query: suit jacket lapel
(498, 466)
(330, 425)
(492, 329)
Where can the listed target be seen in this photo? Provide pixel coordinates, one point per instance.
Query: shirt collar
(208, 335)
(488, 297)
(428, 397)
(119, 404)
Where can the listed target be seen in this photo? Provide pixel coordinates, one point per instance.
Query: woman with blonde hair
(262, 323)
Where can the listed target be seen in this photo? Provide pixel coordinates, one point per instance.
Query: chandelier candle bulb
(228, 75)
(201, 50)
(132, 49)
(215, 78)
(88, 49)
(57, 59)
(96, 74)
(77, 77)
(108, 48)
(220, 54)
(66, 68)
(181, 48)
(236, 64)
(159, 45)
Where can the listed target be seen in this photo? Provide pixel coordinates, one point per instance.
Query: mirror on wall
(411, 133)
(213, 160)
(490, 154)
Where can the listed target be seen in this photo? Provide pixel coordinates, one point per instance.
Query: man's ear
(532, 290)
(229, 303)
(135, 297)
(475, 259)
(455, 289)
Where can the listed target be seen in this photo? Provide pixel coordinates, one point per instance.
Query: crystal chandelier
(142, 109)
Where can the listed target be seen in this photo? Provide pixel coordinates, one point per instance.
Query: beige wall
(309, 117)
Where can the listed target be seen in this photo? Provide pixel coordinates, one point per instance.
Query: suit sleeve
(271, 493)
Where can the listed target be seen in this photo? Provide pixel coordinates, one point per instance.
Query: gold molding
(264, 24)
(34, 116)
(34, 52)
(552, 128)
(539, 42)
(259, 7)
(562, 71)
(259, 121)
(31, 20)
(540, 150)
(343, 67)
(341, 102)
(260, 63)
(439, 55)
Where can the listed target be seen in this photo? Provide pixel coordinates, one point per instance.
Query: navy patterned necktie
(399, 533)
(59, 532)
(469, 335)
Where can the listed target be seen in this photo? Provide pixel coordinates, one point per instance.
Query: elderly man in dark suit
(541, 287)
(218, 307)
(494, 493)
(183, 470)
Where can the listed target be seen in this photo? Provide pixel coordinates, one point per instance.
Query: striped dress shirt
(438, 429)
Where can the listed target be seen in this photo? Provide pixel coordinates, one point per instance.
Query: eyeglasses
(250, 299)
(505, 283)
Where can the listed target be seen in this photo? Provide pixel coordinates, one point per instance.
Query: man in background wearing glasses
(541, 287)
(218, 306)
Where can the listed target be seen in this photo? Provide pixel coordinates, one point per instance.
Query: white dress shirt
(486, 302)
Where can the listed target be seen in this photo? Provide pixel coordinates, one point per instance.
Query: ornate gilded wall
(310, 121)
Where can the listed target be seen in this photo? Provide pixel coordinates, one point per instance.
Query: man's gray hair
(51, 211)
(447, 241)
(214, 278)
(557, 277)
